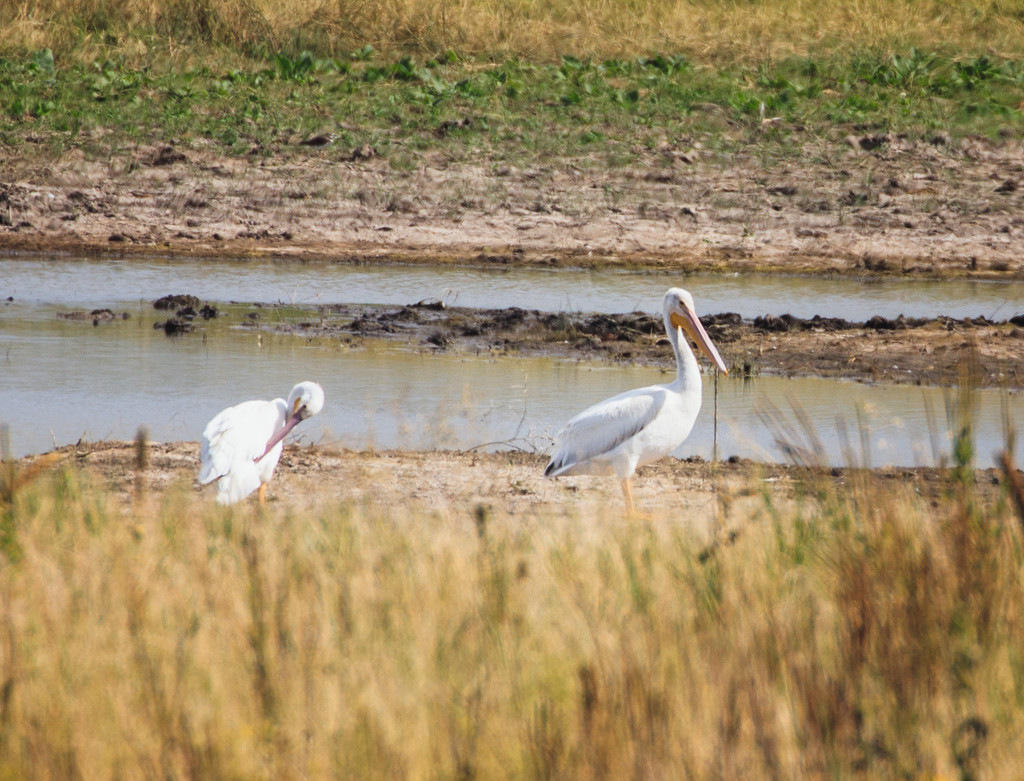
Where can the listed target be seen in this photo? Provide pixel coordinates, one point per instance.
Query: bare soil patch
(509, 483)
(894, 206)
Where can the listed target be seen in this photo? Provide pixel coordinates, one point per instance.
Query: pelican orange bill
(691, 324)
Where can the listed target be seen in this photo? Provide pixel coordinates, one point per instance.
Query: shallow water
(61, 381)
(91, 283)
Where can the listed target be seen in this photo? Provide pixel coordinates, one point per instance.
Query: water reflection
(64, 381)
(95, 283)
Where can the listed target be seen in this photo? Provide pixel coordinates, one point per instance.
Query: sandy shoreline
(508, 483)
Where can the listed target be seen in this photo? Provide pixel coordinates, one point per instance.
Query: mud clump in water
(622, 328)
(96, 316)
(505, 319)
(771, 323)
(187, 309)
(439, 339)
(174, 326)
(176, 301)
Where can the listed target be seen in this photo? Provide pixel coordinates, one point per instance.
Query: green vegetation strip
(601, 113)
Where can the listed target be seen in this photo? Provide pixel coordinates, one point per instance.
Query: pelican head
(305, 401)
(680, 313)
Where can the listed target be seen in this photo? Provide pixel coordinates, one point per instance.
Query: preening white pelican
(242, 444)
(640, 426)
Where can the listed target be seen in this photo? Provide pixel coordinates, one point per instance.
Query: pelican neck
(687, 367)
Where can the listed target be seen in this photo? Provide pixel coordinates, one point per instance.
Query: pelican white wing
(600, 429)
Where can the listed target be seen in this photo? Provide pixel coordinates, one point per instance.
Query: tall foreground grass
(714, 29)
(868, 634)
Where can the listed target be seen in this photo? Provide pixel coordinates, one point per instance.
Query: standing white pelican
(640, 426)
(242, 444)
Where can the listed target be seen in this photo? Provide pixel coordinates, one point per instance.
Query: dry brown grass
(868, 635)
(721, 30)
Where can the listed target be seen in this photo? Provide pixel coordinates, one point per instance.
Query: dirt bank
(884, 206)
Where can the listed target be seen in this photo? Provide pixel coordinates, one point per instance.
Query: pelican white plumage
(619, 434)
(242, 444)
